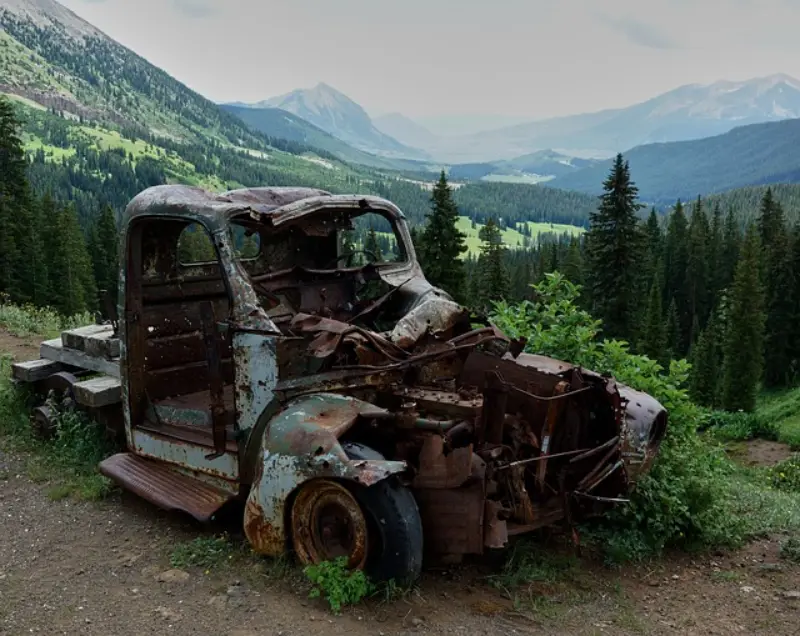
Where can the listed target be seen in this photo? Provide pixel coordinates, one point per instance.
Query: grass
(203, 552)
(512, 238)
(790, 549)
(68, 462)
(725, 576)
(28, 320)
(537, 578)
(781, 410)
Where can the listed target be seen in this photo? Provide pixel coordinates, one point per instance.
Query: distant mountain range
(688, 112)
(337, 114)
(746, 156)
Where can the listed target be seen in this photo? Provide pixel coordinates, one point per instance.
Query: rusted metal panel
(314, 424)
(495, 530)
(452, 519)
(185, 454)
(644, 427)
(215, 380)
(158, 483)
(442, 402)
(437, 470)
(437, 315)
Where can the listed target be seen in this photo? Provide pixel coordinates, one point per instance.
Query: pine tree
(654, 330)
(442, 243)
(794, 347)
(744, 341)
(673, 332)
(614, 252)
(20, 272)
(494, 278)
(778, 283)
(8, 250)
(771, 221)
(706, 358)
(74, 288)
(731, 240)
(654, 242)
(103, 247)
(697, 273)
(676, 264)
(715, 245)
(572, 267)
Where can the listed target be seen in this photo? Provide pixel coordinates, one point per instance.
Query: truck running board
(165, 487)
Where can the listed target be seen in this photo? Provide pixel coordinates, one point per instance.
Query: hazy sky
(428, 57)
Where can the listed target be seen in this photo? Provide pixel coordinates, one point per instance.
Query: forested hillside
(91, 76)
(750, 155)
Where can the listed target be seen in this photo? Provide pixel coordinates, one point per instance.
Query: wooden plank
(76, 338)
(105, 345)
(35, 370)
(97, 392)
(56, 351)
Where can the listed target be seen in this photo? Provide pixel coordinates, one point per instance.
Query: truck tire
(394, 520)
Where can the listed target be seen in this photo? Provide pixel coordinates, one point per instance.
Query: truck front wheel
(377, 528)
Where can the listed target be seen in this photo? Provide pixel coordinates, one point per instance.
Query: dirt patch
(21, 349)
(761, 452)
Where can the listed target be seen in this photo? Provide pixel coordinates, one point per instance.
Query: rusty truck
(352, 408)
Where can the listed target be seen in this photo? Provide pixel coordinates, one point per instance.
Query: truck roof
(280, 204)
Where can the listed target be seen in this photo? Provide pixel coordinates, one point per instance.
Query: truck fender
(301, 443)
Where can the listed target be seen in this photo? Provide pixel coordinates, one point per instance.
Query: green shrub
(337, 584)
(790, 549)
(737, 426)
(686, 499)
(785, 475)
(29, 320)
(71, 456)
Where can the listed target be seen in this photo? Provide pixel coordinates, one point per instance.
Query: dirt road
(104, 568)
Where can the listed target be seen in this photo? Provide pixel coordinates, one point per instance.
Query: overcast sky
(530, 58)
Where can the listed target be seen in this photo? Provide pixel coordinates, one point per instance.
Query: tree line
(696, 283)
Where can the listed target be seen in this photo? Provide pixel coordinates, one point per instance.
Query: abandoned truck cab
(282, 347)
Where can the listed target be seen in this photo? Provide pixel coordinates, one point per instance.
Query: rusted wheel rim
(327, 523)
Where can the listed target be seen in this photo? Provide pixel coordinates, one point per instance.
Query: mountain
(404, 129)
(688, 112)
(337, 114)
(276, 122)
(536, 167)
(54, 58)
(757, 154)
